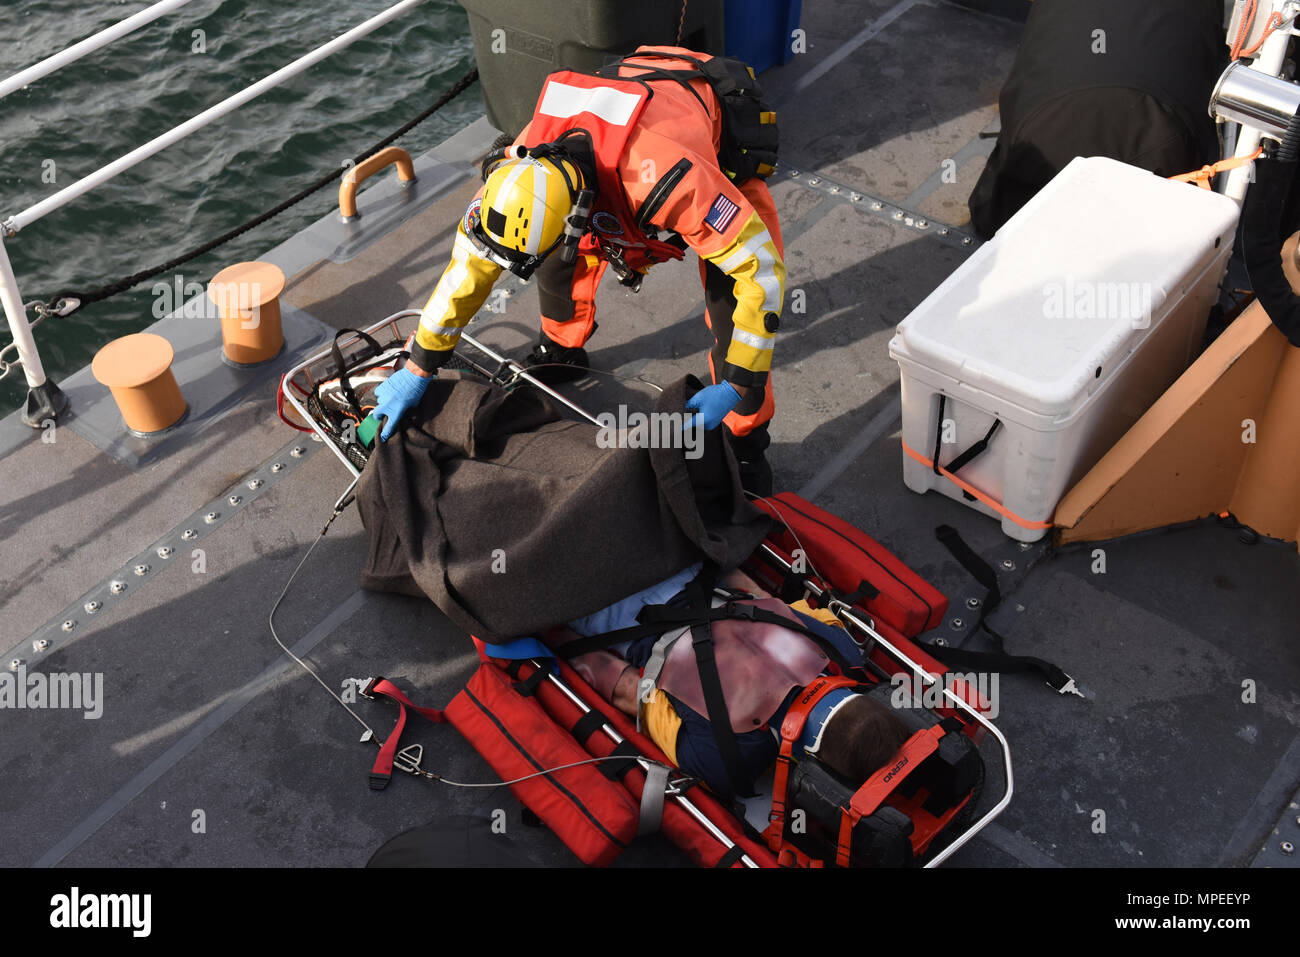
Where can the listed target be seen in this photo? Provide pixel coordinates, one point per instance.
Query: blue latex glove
(396, 395)
(713, 403)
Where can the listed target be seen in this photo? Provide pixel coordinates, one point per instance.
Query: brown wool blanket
(512, 519)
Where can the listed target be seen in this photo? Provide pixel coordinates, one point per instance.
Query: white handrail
(159, 143)
(89, 45)
(1269, 59)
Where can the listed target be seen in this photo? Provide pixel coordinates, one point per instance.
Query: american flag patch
(721, 213)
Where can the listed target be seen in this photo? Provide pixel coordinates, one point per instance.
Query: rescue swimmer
(569, 198)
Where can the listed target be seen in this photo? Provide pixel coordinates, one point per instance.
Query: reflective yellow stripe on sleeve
(460, 293)
(759, 272)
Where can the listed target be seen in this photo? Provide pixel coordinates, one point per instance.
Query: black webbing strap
(371, 350)
(1000, 662)
(997, 660)
(938, 435)
(665, 618)
(977, 449)
(963, 458)
(586, 726)
(528, 687)
(715, 707)
(975, 566)
(733, 854)
(617, 770)
(863, 592)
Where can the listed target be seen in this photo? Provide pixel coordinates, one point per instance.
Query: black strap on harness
(699, 617)
(659, 619)
(998, 659)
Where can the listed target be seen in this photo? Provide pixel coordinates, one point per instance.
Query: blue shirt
(622, 614)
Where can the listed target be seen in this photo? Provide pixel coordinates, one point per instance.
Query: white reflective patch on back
(613, 106)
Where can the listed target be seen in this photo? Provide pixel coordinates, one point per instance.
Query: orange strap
(1202, 176)
(996, 506)
(1247, 24)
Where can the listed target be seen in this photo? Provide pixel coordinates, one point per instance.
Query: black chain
(66, 302)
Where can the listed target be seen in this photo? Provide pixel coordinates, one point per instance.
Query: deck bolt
(211, 517)
(921, 224)
(277, 467)
(1288, 847)
(855, 196)
(166, 551)
(943, 230)
(189, 534)
(956, 623)
(965, 240)
(942, 642)
(141, 570)
(234, 500)
(835, 189)
(877, 205)
(93, 606)
(298, 452)
(117, 587)
(255, 484)
(898, 215)
(794, 172)
(69, 624)
(15, 663)
(1026, 546)
(1008, 564)
(40, 644)
(972, 602)
(814, 180)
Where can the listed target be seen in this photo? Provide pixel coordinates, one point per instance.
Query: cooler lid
(1069, 285)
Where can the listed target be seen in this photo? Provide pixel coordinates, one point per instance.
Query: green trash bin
(517, 44)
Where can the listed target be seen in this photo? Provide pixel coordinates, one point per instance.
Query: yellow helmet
(525, 210)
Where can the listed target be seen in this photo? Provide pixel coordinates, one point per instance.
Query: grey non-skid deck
(1166, 761)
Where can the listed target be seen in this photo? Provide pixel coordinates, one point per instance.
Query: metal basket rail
(470, 357)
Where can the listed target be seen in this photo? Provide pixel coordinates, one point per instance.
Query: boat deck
(201, 712)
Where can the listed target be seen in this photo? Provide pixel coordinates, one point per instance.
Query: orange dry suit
(656, 151)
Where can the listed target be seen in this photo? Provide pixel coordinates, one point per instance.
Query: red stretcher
(583, 768)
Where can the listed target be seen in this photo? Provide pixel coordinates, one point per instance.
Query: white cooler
(1063, 329)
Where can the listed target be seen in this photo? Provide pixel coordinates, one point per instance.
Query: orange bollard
(248, 299)
(138, 371)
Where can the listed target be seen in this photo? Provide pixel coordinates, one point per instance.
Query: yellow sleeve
(662, 723)
(754, 262)
(460, 293)
(824, 615)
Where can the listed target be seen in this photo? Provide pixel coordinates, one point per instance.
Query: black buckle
(733, 610)
(379, 781)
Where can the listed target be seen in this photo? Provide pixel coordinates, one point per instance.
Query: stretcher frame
(297, 384)
(299, 381)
